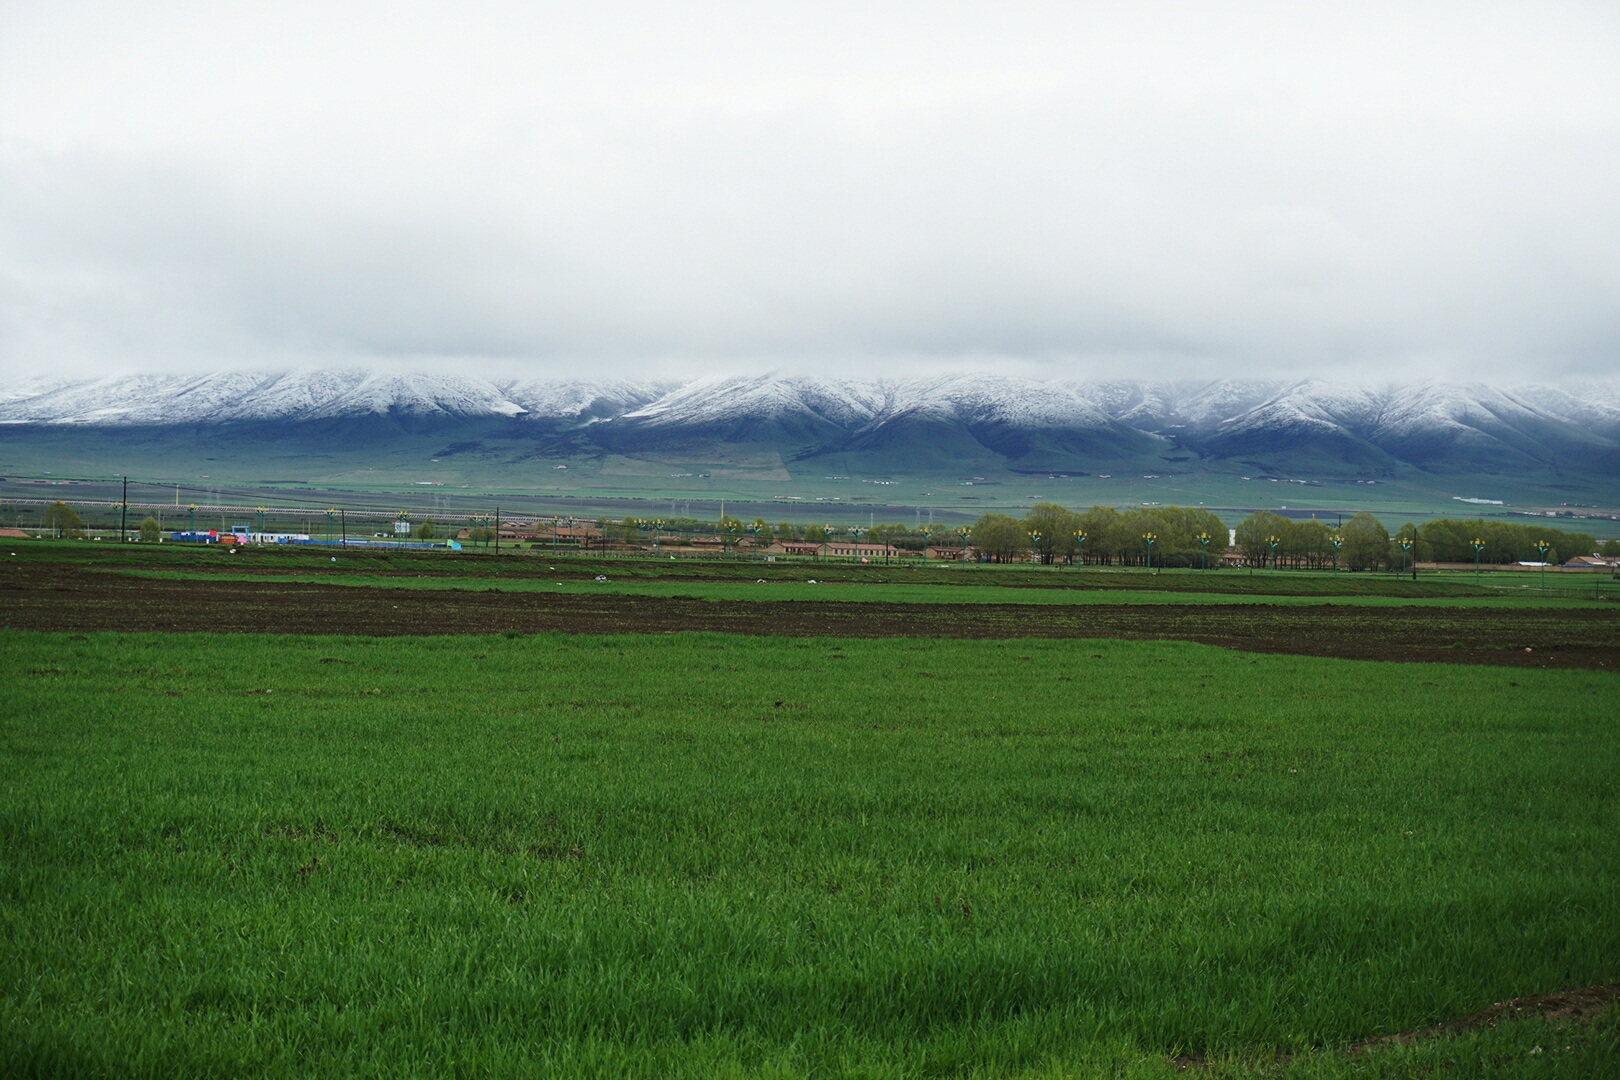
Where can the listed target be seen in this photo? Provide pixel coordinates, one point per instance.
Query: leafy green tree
(1366, 543)
(1306, 543)
(1000, 537)
(1176, 529)
(784, 531)
(815, 534)
(1253, 533)
(424, 531)
(1105, 534)
(1056, 524)
(1610, 549)
(63, 521)
(151, 530)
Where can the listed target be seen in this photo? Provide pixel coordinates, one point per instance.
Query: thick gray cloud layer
(1373, 189)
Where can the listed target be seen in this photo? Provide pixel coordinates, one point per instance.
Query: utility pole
(123, 513)
(497, 528)
(343, 523)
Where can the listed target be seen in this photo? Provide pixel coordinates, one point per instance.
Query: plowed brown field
(61, 598)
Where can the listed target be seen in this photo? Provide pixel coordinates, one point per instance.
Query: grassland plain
(1074, 591)
(703, 854)
(533, 564)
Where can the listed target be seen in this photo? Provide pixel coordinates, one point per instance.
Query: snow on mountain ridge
(1464, 415)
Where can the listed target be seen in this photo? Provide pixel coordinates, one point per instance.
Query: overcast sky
(1359, 190)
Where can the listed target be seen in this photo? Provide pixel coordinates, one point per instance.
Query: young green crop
(1075, 591)
(692, 854)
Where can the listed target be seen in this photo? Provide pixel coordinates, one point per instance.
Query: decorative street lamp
(1543, 547)
(1203, 551)
(1079, 547)
(731, 538)
(1034, 547)
(753, 532)
(965, 531)
(1478, 545)
(1336, 540)
(857, 532)
(1272, 542)
(1406, 546)
(402, 526)
(331, 522)
(1149, 538)
(658, 534)
(259, 519)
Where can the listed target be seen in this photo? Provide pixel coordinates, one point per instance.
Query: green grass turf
(702, 854)
(869, 592)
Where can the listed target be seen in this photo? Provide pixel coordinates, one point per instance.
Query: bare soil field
(66, 599)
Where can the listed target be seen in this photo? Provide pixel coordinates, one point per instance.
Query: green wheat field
(710, 855)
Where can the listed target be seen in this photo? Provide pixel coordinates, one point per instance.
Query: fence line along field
(696, 854)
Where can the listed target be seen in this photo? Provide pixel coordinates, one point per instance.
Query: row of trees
(1505, 542)
(1050, 532)
(1111, 537)
(1364, 543)
(633, 530)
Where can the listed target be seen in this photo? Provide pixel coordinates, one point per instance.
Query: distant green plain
(700, 855)
(978, 592)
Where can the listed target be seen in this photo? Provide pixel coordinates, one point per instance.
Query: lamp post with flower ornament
(1203, 551)
(1272, 542)
(1337, 541)
(1034, 547)
(1542, 547)
(1478, 545)
(1148, 538)
(966, 531)
(1406, 548)
(1079, 548)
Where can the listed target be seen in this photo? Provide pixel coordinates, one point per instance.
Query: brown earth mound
(1563, 1007)
(59, 598)
(1566, 1005)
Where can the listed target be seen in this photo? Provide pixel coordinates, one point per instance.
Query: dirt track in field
(68, 599)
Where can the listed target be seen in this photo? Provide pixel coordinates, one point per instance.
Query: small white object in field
(601, 577)
(761, 581)
(812, 581)
(334, 558)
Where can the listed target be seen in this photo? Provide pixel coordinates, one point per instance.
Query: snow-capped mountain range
(1424, 425)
